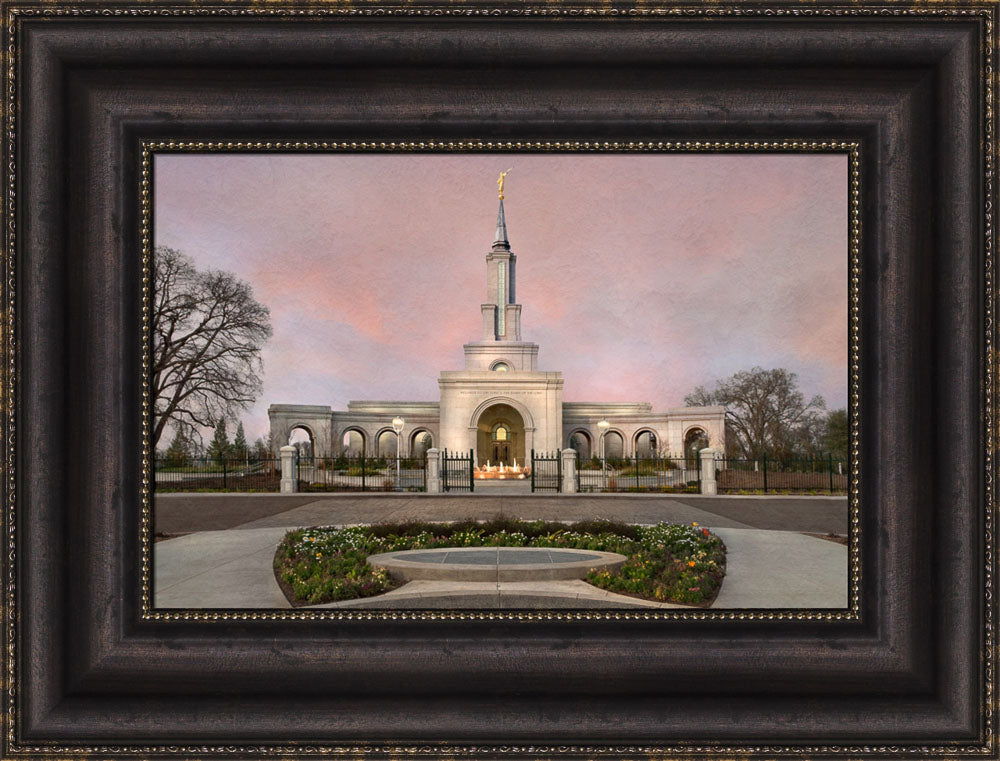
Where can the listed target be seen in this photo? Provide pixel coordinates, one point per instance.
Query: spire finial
(500, 238)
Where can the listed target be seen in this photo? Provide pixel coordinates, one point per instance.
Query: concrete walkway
(182, 513)
(233, 569)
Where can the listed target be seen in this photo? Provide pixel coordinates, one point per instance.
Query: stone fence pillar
(289, 480)
(568, 485)
(708, 484)
(433, 470)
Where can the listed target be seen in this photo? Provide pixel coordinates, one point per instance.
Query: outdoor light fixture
(397, 426)
(603, 427)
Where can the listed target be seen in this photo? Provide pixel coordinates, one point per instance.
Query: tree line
(184, 448)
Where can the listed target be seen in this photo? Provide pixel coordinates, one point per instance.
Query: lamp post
(603, 427)
(397, 426)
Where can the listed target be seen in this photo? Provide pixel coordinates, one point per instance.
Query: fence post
(472, 477)
(764, 460)
(708, 483)
(829, 456)
(364, 456)
(225, 480)
(568, 485)
(433, 471)
(532, 470)
(289, 470)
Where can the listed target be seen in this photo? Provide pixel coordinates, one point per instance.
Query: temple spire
(500, 239)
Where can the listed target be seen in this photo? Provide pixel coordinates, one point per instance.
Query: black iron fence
(456, 471)
(546, 471)
(357, 472)
(201, 474)
(651, 472)
(767, 475)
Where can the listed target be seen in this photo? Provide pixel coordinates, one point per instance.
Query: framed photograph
(499, 380)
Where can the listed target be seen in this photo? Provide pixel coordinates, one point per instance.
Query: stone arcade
(501, 405)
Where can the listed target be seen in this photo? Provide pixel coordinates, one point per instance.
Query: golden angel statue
(503, 176)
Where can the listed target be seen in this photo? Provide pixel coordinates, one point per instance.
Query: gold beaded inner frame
(851, 149)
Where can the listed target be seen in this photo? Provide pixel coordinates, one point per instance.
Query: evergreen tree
(240, 447)
(178, 454)
(220, 448)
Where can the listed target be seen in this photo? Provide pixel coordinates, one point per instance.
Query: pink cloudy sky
(641, 276)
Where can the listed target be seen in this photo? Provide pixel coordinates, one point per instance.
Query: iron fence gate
(546, 471)
(766, 475)
(359, 472)
(647, 472)
(233, 474)
(456, 472)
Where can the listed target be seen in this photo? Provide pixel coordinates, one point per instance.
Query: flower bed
(666, 562)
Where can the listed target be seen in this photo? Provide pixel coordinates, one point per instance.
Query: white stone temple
(501, 405)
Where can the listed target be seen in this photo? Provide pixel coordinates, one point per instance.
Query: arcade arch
(354, 442)
(580, 441)
(420, 441)
(695, 439)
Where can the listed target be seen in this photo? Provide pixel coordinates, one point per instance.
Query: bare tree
(208, 331)
(764, 409)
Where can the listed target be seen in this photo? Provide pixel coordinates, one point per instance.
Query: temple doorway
(500, 436)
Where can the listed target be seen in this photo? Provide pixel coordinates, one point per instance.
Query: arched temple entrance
(500, 436)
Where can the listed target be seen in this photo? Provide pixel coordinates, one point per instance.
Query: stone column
(708, 484)
(289, 482)
(433, 470)
(568, 485)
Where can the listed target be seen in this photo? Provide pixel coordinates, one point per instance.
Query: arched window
(501, 432)
(501, 367)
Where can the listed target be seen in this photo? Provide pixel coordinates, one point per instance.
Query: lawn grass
(666, 563)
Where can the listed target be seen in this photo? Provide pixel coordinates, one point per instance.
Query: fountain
(501, 471)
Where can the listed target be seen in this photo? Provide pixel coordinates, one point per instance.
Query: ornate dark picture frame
(88, 671)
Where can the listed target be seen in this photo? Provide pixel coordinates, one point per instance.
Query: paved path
(182, 513)
(218, 569)
(233, 569)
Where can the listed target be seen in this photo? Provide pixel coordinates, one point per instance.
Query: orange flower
(691, 563)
